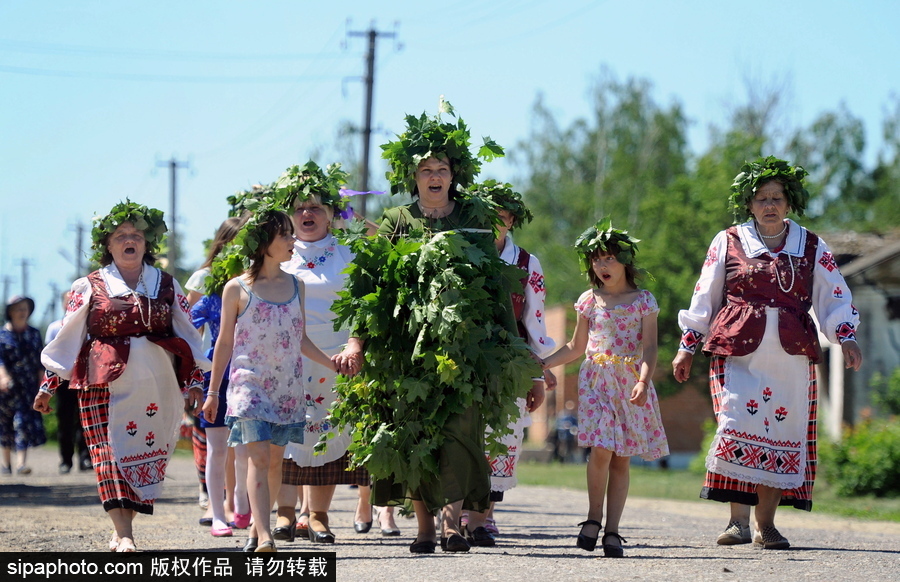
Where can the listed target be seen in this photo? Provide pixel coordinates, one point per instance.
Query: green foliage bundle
(298, 183)
(602, 236)
(866, 461)
(503, 197)
(426, 308)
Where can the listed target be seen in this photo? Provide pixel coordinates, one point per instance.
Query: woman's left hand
(852, 355)
(535, 396)
(193, 400)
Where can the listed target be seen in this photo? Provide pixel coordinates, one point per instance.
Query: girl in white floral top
(262, 334)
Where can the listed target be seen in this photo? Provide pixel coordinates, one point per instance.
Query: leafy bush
(866, 461)
(886, 392)
(698, 463)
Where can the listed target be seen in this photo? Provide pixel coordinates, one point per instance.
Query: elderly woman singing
(128, 346)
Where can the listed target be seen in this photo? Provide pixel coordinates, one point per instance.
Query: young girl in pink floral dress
(618, 413)
(262, 334)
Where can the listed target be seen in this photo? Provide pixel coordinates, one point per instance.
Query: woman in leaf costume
(442, 352)
(760, 279)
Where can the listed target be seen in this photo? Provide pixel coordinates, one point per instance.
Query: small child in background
(262, 334)
(618, 412)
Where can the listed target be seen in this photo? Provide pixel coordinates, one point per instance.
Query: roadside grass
(684, 485)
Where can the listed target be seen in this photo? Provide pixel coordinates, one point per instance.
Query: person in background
(528, 308)
(750, 308)
(21, 428)
(70, 434)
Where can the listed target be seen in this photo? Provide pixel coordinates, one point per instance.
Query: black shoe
(205, 521)
(455, 543)
(285, 533)
(85, 465)
(65, 468)
(586, 542)
(251, 545)
(418, 547)
(321, 537)
(613, 550)
(390, 532)
(480, 538)
(362, 527)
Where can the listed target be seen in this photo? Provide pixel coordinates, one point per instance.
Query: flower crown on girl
(235, 257)
(427, 137)
(299, 183)
(602, 236)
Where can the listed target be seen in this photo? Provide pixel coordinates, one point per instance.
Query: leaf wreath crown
(753, 173)
(427, 137)
(147, 220)
(504, 198)
(298, 183)
(235, 257)
(601, 237)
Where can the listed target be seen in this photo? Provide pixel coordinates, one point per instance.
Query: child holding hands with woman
(618, 413)
(262, 334)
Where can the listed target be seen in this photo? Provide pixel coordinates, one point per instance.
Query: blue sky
(93, 94)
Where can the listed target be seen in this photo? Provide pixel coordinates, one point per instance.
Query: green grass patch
(685, 485)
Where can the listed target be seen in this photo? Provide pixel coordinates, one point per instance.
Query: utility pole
(79, 253)
(173, 166)
(369, 79)
(25, 264)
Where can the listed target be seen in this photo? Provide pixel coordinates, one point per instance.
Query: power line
(165, 78)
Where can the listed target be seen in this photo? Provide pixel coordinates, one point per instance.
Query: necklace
(433, 211)
(778, 275)
(137, 299)
(783, 230)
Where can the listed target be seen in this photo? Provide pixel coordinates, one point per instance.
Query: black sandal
(613, 551)
(586, 542)
(425, 547)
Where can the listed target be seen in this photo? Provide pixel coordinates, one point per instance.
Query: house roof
(880, 264)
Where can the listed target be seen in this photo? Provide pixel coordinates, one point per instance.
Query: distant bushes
(866, 461)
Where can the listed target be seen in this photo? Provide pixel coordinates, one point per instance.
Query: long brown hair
(272, 224)
(227, 231)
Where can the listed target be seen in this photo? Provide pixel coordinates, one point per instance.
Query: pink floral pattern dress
(266, 380)
(606, 419)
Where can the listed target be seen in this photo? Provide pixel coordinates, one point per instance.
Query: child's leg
(229, 482)
(597, 478)
(258, 489)
(617, 491)
(216, 452)
(241, 471)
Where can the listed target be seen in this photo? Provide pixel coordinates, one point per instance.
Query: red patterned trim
(50, 383)
(845, 332)
(690, 340)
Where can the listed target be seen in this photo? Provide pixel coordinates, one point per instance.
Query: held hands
(852, 355)
(639, 394)
(549, 380)
(192, 401)
(42, 403)
(349, 362)
(681, 365)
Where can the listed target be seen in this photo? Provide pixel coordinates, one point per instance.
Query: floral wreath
(504, 198)
(602, 236)
(147, 220)
(762, 170)
(234, 259)
(427, 137)
(298, 183)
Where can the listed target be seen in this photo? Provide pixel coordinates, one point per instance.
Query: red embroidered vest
(751, 285)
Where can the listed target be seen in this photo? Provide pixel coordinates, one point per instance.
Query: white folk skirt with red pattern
(765, 406)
